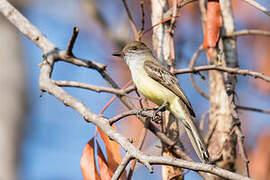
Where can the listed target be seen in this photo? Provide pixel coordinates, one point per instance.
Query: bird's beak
(119, 54)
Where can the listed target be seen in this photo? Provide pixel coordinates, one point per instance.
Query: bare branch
(171, 33)
(195, 166)
(95, 88)
(202, 5)
(140, 144)
(122, 166)
(258, 6)
(243, 72)
(131, 21)
(179, 6)
(248, 32)
(164, 139)
(240, 140)
(155, 25)
(72, 40)
(142, 18)
(129, 113)
(125, 101)
(191, 65)
(202, 120)
(253, 109)
(107, 105)
(81, 62)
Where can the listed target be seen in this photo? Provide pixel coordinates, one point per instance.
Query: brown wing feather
(168, 80)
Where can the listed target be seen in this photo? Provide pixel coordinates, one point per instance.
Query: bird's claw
(157, 118)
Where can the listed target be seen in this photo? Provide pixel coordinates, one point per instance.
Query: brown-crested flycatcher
(160, 86)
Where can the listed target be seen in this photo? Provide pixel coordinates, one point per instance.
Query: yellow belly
(154, 91)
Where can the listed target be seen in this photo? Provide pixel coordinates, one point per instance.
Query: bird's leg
(159, 109)
(139, 113)
(155, 116)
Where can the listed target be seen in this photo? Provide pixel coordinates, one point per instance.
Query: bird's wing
(168, 80)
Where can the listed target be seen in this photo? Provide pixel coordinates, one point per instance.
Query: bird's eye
(134, 48)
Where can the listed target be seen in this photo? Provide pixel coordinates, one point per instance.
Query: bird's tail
(195, 137)
(196, 140)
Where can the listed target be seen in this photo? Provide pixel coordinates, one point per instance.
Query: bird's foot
(156, 117)
(140, 112)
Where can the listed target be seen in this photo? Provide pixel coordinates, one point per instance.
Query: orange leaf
(88, 162)
(105, 173)
(213, 24)
(112, 150)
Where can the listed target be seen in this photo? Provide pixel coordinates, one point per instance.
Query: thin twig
(248, 32)
(195, 56)
(107, 105)
(171, 33)
(191, 65)
(122, 166)
(210, 134)
(72, 41)
(140, 99)
(179, 6)
(140, 144)
(161, 22)
(131, 21)
(243, 72)
(203, 5)
(98, 89)
(81, 62)
(252, 109)
(202, 120)
(142, 18)
(240, 140)
(258, 6)
(113, 98)
(129, 113)
(198, 166)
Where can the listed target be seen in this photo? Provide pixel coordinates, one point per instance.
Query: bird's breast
(150, 88)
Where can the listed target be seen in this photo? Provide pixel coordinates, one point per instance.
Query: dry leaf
(88, 162)
(113, 151)
(213, 24)
(105, 173)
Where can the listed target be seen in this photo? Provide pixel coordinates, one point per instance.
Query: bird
(161, 87)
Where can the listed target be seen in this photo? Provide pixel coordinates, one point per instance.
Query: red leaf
(105, 173)
(112, 150)
(213, 24)
(88, 162)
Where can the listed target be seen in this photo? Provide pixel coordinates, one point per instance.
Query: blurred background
(40, 138)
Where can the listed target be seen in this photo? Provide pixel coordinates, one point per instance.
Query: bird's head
(133, 50)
